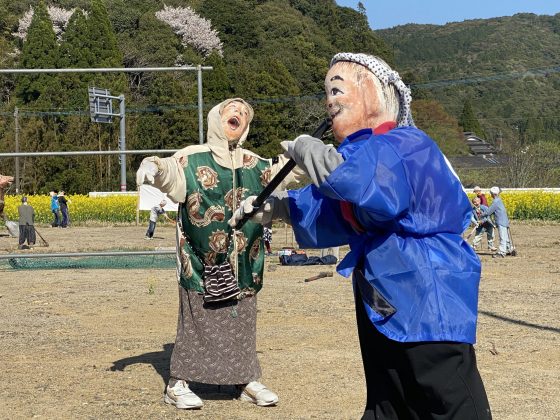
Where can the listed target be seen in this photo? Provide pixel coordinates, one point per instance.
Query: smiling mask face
(235, 120)
(352, 100)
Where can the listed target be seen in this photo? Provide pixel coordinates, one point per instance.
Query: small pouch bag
(219, 283)
(218, 280)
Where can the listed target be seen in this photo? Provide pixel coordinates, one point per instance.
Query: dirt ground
(97, 343)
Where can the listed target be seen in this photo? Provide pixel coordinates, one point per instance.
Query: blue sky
(389, 13)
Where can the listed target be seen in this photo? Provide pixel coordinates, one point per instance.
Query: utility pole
(122, 141)
(16, 121)
(200, 106)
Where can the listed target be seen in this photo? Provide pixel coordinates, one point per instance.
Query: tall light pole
(101, 111)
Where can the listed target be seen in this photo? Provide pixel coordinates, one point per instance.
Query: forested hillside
(273, 53)
(501, 78)
(507, 67)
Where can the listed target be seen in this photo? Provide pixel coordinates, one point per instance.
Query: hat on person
(477, 188)
(495, 190)
(163, 203)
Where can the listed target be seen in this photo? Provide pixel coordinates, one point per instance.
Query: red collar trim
(384, 128)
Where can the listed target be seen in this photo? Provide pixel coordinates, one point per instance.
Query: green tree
(74, 53)
(236, 21)
(534, 130)
(216, 82)
(468, 120)
(430, 116)
(102, 40)
(40, 50)
(102, 45)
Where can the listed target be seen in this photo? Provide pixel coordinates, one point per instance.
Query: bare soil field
(96, 344)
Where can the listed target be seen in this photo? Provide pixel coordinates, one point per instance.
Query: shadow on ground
(160, 361)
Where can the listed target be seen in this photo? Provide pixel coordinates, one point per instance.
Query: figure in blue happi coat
(390, 193)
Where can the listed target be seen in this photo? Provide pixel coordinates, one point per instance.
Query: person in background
(155, 212)
(483, 224)
(63, 203)
(26, 225)
(55, 208)
(478, 191)
(390, 193)
(267, 239)
(498, 209)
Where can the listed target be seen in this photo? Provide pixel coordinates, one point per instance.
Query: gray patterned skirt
(217, 343)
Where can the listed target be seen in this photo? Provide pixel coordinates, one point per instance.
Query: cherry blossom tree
(24, 23)
(58, 16)
(194, 30)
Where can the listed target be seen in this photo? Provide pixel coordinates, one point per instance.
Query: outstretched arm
(166, 174)
(168, 218)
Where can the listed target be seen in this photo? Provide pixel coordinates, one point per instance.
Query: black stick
(283, 173)
(40, 236)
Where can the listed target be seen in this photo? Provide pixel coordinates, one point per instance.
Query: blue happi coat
(411, 255)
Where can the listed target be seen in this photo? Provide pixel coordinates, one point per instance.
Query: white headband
(386, 76)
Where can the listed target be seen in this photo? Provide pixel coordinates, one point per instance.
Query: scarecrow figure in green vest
(220, 270)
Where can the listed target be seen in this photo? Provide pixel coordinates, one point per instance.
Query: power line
(536, 72)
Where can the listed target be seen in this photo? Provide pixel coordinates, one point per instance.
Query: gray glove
(317, 159)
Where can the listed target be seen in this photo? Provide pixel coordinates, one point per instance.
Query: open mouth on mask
(234, 123)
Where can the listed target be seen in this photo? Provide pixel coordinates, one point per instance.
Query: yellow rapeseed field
(82, 208)
(122, 209)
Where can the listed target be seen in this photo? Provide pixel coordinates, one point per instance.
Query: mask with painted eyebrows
(392, 89)
(353, 100)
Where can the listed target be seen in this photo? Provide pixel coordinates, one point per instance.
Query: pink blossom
(193, 29)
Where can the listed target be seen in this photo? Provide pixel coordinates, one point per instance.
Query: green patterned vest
(202, 226)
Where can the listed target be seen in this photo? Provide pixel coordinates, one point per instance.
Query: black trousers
(27, 233)
(64, 212)
(425, 380)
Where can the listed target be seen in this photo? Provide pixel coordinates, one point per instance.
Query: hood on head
(215, 135)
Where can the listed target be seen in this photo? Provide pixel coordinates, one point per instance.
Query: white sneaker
(257, 393)
(181, 396)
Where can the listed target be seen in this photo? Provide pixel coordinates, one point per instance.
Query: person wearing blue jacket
(390, 193)
(55, 208)
(498, 209)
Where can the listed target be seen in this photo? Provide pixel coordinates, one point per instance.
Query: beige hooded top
(171, 178)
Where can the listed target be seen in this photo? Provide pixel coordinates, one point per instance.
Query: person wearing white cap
(498, 209)
(155, 212)
(390, 193)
